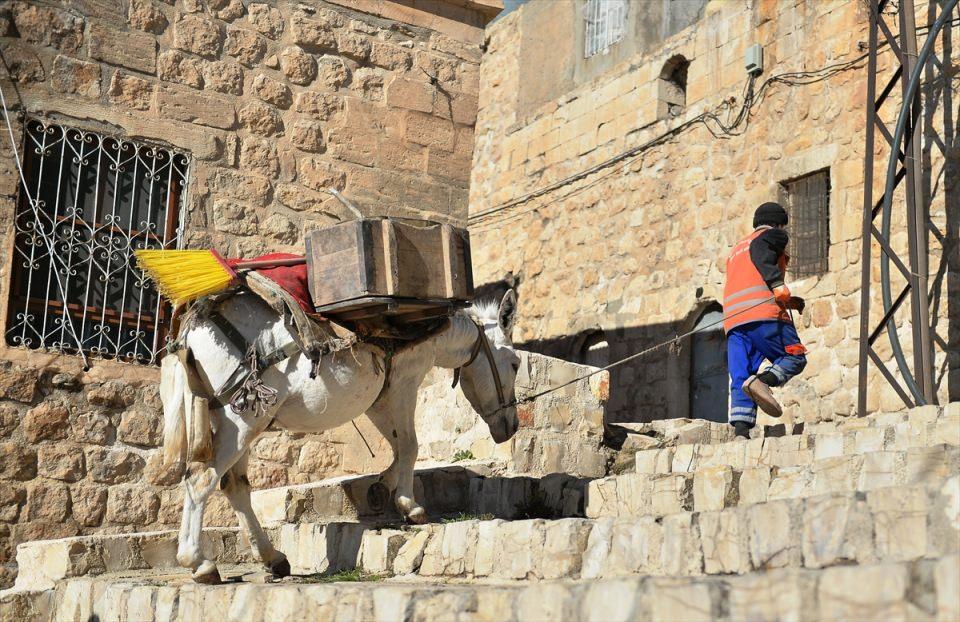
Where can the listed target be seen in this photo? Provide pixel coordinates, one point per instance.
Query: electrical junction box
(753, 59)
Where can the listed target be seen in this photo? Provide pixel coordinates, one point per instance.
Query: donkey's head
(488, 379)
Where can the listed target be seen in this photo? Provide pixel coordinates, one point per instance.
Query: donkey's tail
(173, 390)
(187, 434)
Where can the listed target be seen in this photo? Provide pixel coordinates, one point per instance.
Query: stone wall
(637, 249)
(274, 102)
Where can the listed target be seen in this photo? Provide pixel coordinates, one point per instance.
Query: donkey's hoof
(417, 516)
(207, 574)
(378, 495)
(280, 568)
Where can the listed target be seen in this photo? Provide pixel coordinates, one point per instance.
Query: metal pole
(867, 211)
(916, 222)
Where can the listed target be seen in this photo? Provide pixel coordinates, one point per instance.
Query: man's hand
(782, 295)
(796, 303)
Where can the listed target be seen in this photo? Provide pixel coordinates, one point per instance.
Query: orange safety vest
(746, 297)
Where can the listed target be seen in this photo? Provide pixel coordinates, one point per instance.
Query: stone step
(886, 433)
(915, 591)
(445, 491)
(686, 438)
(719, 487)
(477, 489)
(893, 524)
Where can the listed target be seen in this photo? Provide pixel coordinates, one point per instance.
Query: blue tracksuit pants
(748, 345)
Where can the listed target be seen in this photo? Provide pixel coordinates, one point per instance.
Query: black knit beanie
(771, 214)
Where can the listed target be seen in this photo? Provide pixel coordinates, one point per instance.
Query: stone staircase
(848, 519)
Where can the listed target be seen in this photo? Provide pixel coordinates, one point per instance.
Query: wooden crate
(382, 266)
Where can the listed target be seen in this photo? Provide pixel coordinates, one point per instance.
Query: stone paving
(850, 519)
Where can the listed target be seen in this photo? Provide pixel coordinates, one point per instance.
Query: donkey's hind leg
(236, 487)
(199, 483)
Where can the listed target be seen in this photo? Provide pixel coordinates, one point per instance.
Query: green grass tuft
(355, 575)
(463, 454)
(463, 516)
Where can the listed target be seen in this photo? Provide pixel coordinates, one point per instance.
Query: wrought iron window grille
(605, 22)
(807, 201)
(91, 200)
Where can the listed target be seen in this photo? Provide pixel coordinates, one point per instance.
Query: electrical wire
(750, 98)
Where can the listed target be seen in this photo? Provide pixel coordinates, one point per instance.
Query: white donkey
(349, 383)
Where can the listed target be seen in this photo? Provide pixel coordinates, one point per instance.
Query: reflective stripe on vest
(746, 297)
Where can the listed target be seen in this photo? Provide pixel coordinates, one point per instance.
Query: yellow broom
(182, 276)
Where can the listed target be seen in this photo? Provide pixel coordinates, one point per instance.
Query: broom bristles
(184, 275)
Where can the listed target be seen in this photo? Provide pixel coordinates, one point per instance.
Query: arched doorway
(709, 382)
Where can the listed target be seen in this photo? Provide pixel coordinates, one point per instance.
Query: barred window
(606, 22)
(807, 201)
(91, 200)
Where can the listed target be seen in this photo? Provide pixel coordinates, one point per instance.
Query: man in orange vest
(757, 320)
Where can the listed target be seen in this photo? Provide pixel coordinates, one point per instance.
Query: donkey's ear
(507, 316)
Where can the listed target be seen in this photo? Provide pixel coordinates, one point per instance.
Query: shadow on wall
(687, 378)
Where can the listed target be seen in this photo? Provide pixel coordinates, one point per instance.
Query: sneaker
(760, 393)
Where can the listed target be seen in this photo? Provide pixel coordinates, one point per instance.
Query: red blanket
(293, 279)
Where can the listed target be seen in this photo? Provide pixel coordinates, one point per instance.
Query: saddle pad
(293, 279)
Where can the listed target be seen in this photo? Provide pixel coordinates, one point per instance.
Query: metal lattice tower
(904, 170)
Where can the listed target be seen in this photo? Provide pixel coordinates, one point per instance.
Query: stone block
(130, 49)
(681, 553)
(198, 108)
(790, 482)
(17, 462)
(131, 505)
(244, 45)
(143, 15)
(46, 421)
(610, 601)
(946, 576)
(837, 529)
(76, 77)
(836, 474)
(784, 594)
(772, 536)
(62, 461)
(724, 544)
(879, 470)
(754, 485)
(446, 552)
(865, 593)
(900, 522)
(113, 465)
(130, 91)
(410, 94)
(677, 599)
(299, 67)
(672, 493)
(828, 446)
(47, 501)
(198, 35)
(715, 488)
(925, 465)
(266, 19)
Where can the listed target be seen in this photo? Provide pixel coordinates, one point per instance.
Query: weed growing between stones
(354, 575)
(462, 516)
(463, 454)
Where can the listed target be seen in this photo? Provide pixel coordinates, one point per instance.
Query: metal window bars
(605, 25)
(807, 201)
(90, 201)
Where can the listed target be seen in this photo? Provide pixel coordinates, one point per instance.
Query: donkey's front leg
(236, 487)
(393, 414)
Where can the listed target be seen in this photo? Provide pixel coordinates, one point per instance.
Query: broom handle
(258, 264)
